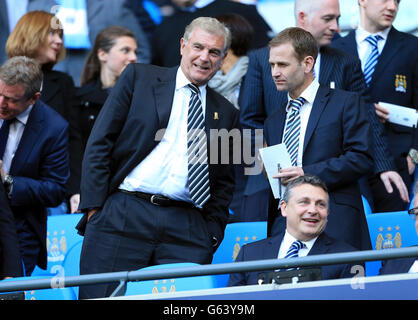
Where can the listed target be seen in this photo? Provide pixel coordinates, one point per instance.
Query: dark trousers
(131, 233)
(29, 246)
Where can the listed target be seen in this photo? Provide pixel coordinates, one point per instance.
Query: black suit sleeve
(10, 263)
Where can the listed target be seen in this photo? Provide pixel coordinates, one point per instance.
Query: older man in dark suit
(334, 68)
(148, 200)
(305, 206)
(326, 133)
(35, 157)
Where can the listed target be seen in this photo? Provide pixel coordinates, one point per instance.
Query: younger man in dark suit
(139, 188)
(34, 150)
(390, 67)
(305, 207)
(326, 132)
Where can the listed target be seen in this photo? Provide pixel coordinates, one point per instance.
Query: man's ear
(309, 63)
(283, 207)
(35, 98)
(301, 20)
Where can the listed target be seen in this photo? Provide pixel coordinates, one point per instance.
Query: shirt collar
(182, 81)
(288, 239)
(23, 117)
(362, 34)
(308, 94)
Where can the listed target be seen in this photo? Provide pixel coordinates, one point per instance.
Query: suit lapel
(327, 63)
(393, 44)
(29, 138)
(164, 95)
(350, 44)
(271, 251)
(321, 245)
(318, 106)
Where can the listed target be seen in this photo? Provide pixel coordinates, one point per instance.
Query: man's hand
(2, 172)
(411, 165)
(74, 202)
(382, 113)
(288, 174)
(389, 177)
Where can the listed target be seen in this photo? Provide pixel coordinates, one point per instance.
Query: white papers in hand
(403, 116)
(272, 157)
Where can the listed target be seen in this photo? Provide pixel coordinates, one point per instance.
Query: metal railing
(213, 269)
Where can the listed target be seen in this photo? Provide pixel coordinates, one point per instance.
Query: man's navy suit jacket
(337, 150)
(399, 57)
(401, 265)
(40, 170)
(269, 249)
(259, 96)
(131, 124)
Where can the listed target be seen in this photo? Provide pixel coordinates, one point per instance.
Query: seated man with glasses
(409, 264)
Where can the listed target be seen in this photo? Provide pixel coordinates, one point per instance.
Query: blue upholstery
(236, 235)
(170, 285)
(388, 230)
(61, 236)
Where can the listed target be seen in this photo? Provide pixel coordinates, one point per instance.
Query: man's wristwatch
(413, 153)
(8, 182)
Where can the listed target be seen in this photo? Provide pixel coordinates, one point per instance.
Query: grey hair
(25, 71)
(210, 25)
(305, 179)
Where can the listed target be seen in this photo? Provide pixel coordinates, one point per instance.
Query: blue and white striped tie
(372, 59)
(292, 129)
(198, 177)
(293, 251)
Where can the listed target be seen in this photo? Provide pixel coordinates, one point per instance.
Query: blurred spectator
(227, 81)
(34, 37)
(165, 44)
(99, 15)
(115, 47)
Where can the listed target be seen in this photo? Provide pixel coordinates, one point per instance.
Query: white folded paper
(403, 116)
(273, 157)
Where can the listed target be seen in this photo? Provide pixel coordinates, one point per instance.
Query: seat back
(61, 236)
(236, 235)
(169, 285)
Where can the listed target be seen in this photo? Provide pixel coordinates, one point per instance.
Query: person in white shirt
(305, 207)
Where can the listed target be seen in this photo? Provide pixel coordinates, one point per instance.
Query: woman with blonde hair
(39, 35)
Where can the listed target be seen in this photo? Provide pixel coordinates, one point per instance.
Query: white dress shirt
(287, 241)
(15, 135)
(309, 95)
(414, 267)
(165, 170)
(364, 48)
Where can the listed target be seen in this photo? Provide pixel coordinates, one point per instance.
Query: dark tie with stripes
(293, 251)
(198, 176)
(292, 129)
(372, 59)
(4, 135)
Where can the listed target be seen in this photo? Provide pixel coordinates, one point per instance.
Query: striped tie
(292, 130)
(372, 59)
(197, 150)
(293, 251)
(4, 135)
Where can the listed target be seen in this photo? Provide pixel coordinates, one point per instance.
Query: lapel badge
(215, 116)
(400, 83)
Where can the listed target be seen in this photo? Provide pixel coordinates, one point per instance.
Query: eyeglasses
(413, 213)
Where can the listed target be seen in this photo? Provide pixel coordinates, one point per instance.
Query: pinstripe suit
(399, 57)
(259, 98)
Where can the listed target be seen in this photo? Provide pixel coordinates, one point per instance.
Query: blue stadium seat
(170, 285)
(388, 230)
(61, 236)
(236, 235)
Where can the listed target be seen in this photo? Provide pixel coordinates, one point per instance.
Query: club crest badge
(400, 83)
